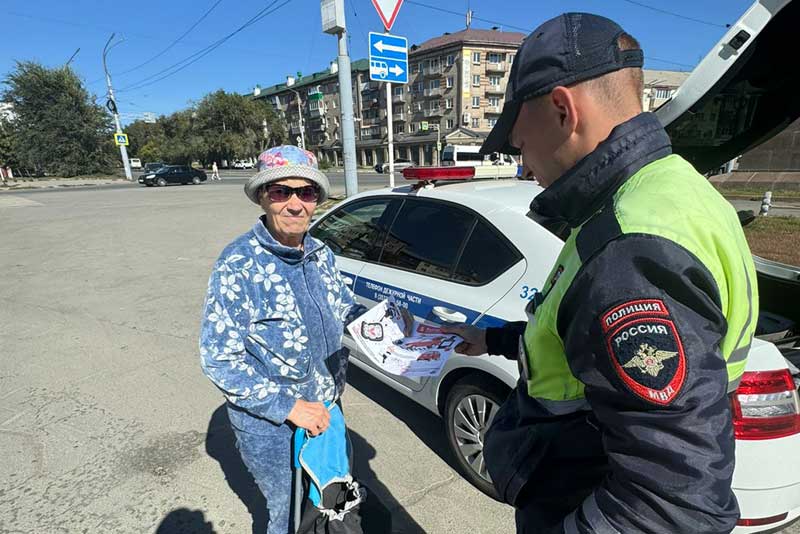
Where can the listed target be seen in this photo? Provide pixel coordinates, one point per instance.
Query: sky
(288, 38)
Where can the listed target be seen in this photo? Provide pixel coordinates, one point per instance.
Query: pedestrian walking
(275, 313)
(621, 420)
(215, 171)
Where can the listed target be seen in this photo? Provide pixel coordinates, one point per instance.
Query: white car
(467, 252)
(242, 164)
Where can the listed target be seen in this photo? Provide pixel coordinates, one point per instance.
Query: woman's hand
(474, 343)
(313, 416)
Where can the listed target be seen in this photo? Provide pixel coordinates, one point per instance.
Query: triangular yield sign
(387, 11)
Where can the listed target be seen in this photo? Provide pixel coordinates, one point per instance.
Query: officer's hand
(408, 319)
(313, 416)
(474, 343)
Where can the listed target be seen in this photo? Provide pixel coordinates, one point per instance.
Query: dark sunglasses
(282, 193)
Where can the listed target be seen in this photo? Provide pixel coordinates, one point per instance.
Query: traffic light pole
(123, 150)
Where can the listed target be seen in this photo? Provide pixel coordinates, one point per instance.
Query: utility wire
(494, 22)
(182, 64)
(678, 15)
(503, 24)
(173, 43)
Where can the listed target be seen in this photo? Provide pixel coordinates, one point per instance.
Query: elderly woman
(272, 329)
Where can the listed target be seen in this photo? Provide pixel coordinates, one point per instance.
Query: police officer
(621, 421)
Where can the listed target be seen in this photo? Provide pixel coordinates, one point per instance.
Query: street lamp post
(112, 106)
(300, 113)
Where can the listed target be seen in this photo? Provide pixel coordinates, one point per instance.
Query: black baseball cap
(563, 51)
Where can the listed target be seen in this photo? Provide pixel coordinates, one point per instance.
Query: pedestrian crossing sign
(121, 139)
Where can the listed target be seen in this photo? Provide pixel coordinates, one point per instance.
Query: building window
(494, 58)
(476, 80)
(276, 101)
(494, 101)
(451, 60)
(476, 123)
(511, 58)
(435, 65)
(412, 127)
(662, 92)
(415, 68)
(449, 82)
(449, 124)
(495, 81)
(448, 103)
(476, 58)
(398, 128)
(420, 86)
(434, 84)
(476, 101)
(398, 91)
(491, 122)
(418, 106)
(314, 105)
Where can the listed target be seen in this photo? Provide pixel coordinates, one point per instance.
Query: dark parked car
(173, 174)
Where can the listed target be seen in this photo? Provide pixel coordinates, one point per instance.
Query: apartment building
(457, 85)
(660, 86)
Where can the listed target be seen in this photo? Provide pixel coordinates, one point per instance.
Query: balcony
(369, 121)
(433, 92)
(495, 110)
(432, 71)
(294, 129)
(319, 112)
(400, 117)
(496, 89)
(435, 112)
(496, 66)
(398, 99)
(318, 126)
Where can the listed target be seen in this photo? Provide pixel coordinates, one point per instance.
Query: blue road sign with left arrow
(388, 58)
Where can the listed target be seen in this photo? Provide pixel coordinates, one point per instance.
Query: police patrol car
(459, 250)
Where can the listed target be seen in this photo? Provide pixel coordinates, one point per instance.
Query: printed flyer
(379, 333)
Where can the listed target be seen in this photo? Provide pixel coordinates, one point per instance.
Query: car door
(355, 232)
(437, 261)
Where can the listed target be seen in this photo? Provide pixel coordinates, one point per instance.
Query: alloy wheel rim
(472, 417)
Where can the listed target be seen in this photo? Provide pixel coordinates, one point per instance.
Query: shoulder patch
(645, 349)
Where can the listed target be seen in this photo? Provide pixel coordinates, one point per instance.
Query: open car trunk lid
(745, 91)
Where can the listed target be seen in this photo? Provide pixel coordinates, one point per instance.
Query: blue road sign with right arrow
(388, 58)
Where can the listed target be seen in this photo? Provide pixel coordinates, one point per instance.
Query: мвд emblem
(645, 349)
(648, 359)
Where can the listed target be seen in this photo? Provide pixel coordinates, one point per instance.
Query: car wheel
(161, 182)
(469, 411)
(196, 180)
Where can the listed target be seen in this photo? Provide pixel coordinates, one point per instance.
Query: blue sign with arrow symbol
(388, 58)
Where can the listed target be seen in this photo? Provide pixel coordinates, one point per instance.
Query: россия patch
(645, 349)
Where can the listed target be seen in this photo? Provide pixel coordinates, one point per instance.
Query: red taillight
(438, 173)
(766, 406)
(761, 521)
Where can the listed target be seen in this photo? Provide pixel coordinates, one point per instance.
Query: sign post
(388, 62)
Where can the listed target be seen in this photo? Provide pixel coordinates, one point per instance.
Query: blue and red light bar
(439, 173)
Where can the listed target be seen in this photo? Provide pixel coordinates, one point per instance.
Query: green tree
(233, 126)
(58, 128)
(8, 157)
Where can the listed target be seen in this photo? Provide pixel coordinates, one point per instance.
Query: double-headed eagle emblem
(648, 359)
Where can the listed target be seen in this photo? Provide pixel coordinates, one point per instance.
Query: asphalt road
(107, 423)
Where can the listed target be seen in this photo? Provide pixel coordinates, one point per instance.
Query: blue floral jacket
(272, 327)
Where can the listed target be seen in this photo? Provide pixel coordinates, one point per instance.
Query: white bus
(489, 165)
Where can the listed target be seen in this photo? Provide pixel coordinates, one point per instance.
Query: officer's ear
(563, 104)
